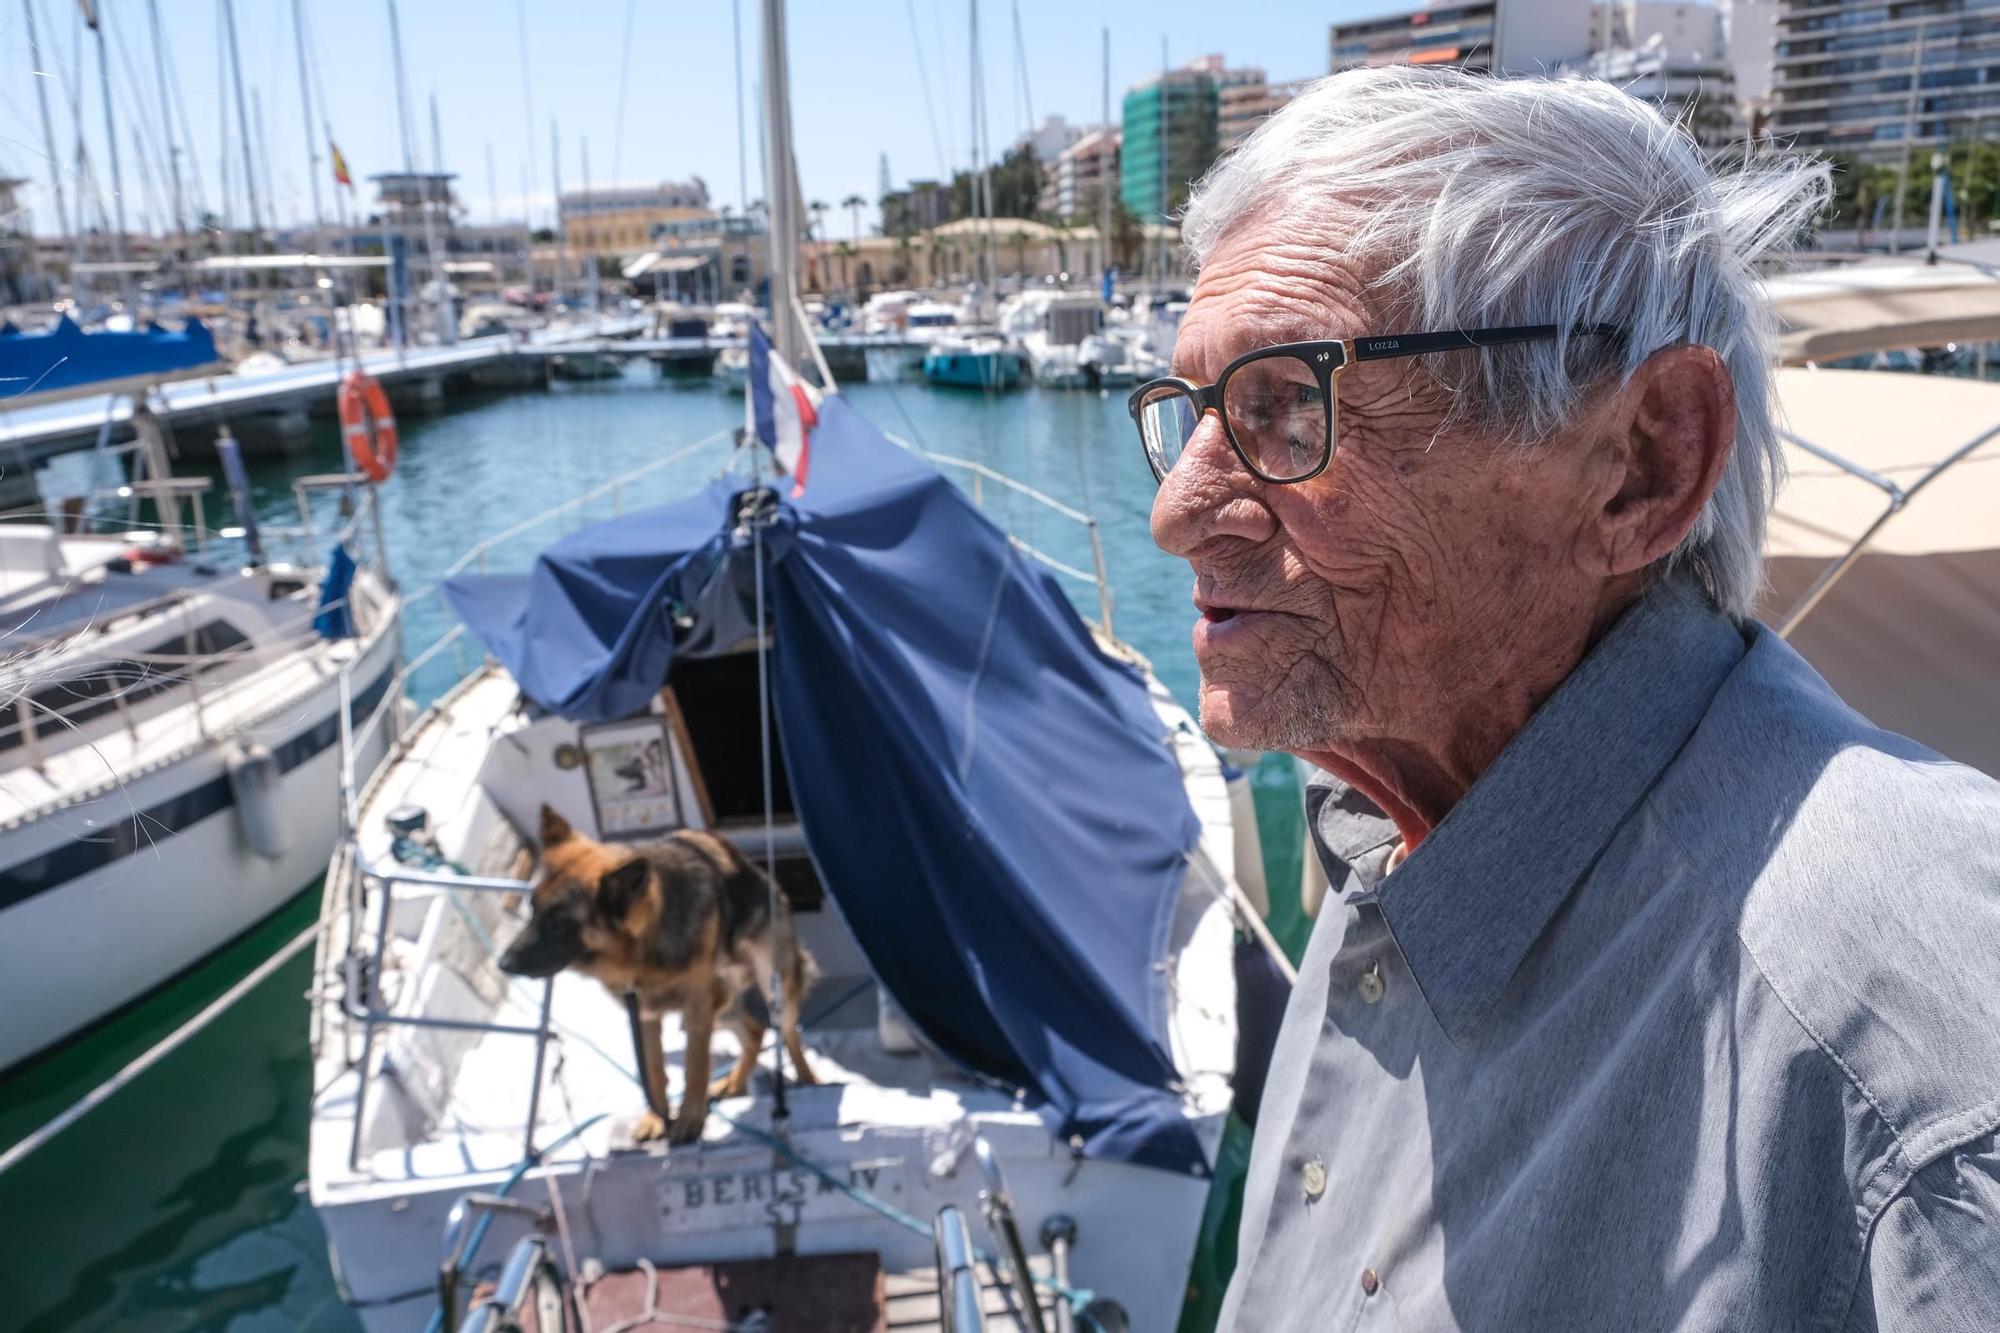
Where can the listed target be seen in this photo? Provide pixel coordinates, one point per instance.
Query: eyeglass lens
(1276, 410)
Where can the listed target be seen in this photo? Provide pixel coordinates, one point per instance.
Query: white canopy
(264, 263)
(1885, 305)
(658, 261)
(1909, 634)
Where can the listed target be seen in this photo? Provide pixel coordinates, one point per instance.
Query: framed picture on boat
(630, 768)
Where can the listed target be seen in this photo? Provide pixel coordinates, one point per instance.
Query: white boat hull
(157, 890)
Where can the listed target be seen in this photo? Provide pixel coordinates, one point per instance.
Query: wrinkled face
(582, 903)
(1387, 588)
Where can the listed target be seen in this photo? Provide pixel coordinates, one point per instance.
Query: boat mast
(528, 140)
(243, 122)
(264, 158)
(781, 191)
(305, 110)
(555, 184)
(167, 128)
(742, 158)
(594, 295)
(91, 17)
(49, 138)
(444, 324)
(984, 166)
(1104, 178)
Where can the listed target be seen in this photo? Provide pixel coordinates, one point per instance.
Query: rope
(485, 1221)
(780, 936)
(174, 1040)
(653, 1314)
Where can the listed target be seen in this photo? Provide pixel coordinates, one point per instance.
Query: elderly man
(1655, 988)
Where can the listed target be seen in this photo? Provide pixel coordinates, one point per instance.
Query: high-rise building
(1244, 100)
(1749, 32)
(1484, 36)
(1083, 172)
(918, 207)
(1842, 74)
(1683, 29)
(1169, 138)
(1049, 138)
(1697, 92)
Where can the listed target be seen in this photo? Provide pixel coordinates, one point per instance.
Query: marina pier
(272, 406)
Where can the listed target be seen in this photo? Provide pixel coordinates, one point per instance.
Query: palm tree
(818, 210)
(854, 203)
(846, 252)
(903, 248)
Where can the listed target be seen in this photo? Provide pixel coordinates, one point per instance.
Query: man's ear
(620, 890)
(555, 828)
(1671, 435)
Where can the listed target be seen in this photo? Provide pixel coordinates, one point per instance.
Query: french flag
(783, 408)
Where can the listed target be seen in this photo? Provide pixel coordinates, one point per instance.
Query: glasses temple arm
(1458, 340)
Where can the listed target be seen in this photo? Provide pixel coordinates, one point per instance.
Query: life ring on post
(367, 425)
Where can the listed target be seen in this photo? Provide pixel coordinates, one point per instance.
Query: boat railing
(386, 729)
(961, 1305)
(480, 553)
(1899, 498)
(980, 474)
(362, 972)
(88, 520)
(155, 673)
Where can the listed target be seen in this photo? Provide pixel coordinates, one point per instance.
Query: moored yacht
(973, 361)
(170, 721)
(1054, 330)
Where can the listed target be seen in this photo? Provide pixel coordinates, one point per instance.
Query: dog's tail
(805, 971)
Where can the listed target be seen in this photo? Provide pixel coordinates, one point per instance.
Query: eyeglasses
(1280, 405)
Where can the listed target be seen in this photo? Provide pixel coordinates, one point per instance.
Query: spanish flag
(340, 166)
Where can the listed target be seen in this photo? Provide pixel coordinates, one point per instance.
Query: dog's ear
(555, 828)
(621, 889)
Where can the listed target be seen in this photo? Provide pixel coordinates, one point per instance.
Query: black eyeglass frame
(1327, 359)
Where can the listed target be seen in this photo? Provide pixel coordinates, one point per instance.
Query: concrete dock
(270, 408)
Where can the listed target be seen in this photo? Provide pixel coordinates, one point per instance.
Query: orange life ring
(367, 425)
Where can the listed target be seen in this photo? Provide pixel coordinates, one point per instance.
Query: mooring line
(103, 1092)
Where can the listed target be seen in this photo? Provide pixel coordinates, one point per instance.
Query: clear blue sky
(858, 86)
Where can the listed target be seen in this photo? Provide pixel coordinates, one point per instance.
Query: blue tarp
(66, 357)
(987, 797)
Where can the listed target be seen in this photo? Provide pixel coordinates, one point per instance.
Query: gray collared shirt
(1687, 1017)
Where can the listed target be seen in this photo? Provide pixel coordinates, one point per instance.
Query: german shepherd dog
(686, 924)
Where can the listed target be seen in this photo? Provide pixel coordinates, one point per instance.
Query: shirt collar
(1470, 902)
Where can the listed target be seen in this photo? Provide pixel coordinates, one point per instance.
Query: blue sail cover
(987, 797)
(66, 357)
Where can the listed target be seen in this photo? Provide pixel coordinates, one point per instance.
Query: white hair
(1494, 202)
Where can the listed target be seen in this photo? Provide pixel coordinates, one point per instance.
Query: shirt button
(1314, 1175)
(1370, 1284)
(1370, 984)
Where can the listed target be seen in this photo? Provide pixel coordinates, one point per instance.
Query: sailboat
(170, 717)
(979, 357)
(1006, 845)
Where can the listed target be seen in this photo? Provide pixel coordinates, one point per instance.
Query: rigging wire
(624, 70)
(924, 79)
(950, 123)
(528, 124)
(1021, 69)
(199, 202)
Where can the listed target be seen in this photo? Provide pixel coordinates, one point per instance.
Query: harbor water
(179, 1203)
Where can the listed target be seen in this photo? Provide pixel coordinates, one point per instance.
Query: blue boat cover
(986, 796)
(66, 357)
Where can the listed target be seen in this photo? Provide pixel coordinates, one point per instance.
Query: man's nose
(1209, 496)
